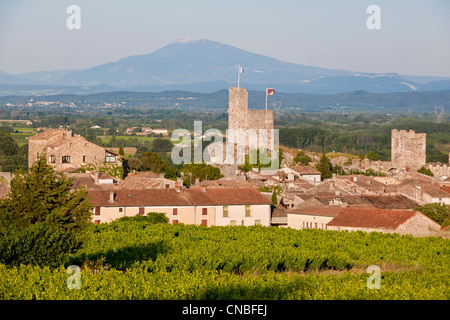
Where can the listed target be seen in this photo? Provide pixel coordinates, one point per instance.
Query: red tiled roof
(225, 196)
(137, 198)
(446, 189)
(372, 218)
(171, 197)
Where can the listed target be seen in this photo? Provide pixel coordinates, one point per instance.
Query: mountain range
(207, 66)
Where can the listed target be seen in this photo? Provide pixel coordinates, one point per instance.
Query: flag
(270, 91)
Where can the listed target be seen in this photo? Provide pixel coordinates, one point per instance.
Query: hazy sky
(414, 38)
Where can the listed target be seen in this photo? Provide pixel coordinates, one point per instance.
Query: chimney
(112, 196)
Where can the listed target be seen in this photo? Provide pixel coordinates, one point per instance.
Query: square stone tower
(408, 149)
(240, 117)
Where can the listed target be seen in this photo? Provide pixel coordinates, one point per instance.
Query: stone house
(368, 201)
(386, 221)
(307, 173)
(65, 150)
(423, 192)
(202, 206)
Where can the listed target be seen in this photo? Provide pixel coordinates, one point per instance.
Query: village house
(65, 150)
(386, 221)
(381, 202)
(307, 173)
(207, 207)
(424, 192)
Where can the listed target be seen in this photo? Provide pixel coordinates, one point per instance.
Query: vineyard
(137, 259)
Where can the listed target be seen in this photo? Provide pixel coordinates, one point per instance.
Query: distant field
(106, 139)
(21, 137)
(129, 151)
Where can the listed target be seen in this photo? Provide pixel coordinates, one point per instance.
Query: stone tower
(240, 117)
(408, 149)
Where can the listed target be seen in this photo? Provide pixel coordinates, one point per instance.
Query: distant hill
(207, 66)
(356, 101)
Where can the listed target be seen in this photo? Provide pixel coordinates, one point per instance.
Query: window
(232, 222)
(175, 211)
(66, 159)
(97, 221)
(204, 222)
(97, 211)
(120, 209)
(247, 211)
(257, 222)
(315, 225)
(141, 211)
(175, 221)
(52, 159)
(204, 211)
(109, 157)
(84, 158)
(225, 212)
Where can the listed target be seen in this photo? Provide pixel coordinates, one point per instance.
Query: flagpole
(266, 98)
(239, 74)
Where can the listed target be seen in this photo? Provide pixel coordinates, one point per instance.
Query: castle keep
(240, 117)
(408, 149)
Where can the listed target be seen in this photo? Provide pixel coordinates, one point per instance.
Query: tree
(201, 171)
(162, 145)
(274, 198)
(435, 211)
(171, 172)
(425, 171)
(324, 166)
(152, 162)
(43, 195)
(372, 155)
(121, 151)
(302, 158)
(8, 146)
(42, 220)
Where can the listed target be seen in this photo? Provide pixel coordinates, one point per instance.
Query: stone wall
(408, 149)
(240, 117)
(439, 170)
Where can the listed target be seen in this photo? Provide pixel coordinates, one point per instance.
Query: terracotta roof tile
(171, 197)
(371, 218)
